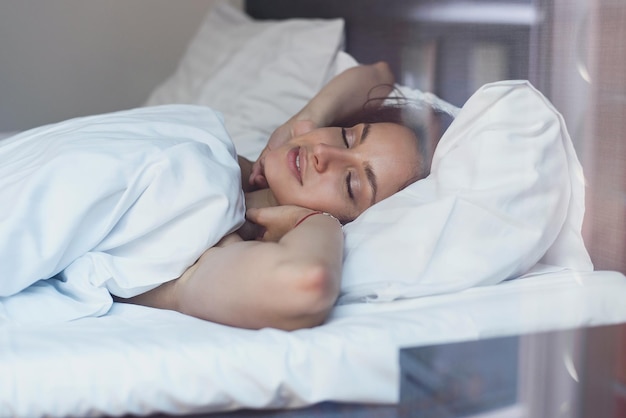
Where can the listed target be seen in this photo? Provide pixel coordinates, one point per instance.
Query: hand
(284, 133)
(342, 97)
(276, 221)
(250, 231)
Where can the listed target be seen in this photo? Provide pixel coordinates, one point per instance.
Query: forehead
(391, 136)
(393, 154)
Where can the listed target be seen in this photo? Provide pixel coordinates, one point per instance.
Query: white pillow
(505, 192)
(256, 73)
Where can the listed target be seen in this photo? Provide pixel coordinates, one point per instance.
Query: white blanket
(115, 203)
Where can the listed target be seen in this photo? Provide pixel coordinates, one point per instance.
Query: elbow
(384, 73)
(322, 286)
(317, 289)
(381, 78)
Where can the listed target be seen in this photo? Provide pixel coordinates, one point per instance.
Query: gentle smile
(293, 160)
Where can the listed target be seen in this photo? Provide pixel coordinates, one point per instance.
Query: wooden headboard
(430, 45)
(374, 28)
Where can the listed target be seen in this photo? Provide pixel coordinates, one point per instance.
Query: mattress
(139, 360)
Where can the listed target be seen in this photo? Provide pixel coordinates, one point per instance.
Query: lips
(293, 161)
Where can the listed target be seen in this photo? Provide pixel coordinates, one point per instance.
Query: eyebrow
(371, 178)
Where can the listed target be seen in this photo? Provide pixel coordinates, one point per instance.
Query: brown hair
(427, 123)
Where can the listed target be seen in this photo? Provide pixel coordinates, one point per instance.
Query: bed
(450, 281)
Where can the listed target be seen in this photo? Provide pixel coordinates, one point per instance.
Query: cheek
(270, 164)
(317, 198)
(322, 198)
(287, 195)
(272, 172)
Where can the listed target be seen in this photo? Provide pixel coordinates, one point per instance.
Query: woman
(310, 167)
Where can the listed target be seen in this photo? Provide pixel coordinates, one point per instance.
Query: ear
(301, 127)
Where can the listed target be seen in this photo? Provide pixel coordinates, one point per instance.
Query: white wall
(65, 58)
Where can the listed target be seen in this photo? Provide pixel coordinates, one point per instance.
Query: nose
(326, 156)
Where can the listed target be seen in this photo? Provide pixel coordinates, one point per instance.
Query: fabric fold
(506, 191)
(118, 203)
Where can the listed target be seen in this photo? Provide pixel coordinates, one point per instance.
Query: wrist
(315, 213)
(317, 118)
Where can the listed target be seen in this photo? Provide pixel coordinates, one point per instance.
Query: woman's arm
(344, 95)
(289, 284)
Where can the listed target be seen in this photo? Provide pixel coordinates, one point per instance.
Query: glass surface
(549, 374)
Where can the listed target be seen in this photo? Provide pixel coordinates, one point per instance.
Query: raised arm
(346, 93)
(289, 284)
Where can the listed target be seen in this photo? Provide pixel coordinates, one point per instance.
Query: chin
(279, 197)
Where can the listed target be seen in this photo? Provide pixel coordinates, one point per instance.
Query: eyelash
(349, 185)
(349, 176)
(345, 137)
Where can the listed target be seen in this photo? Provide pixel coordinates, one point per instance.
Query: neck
(261, 198)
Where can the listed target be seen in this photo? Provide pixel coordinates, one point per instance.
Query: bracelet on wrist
(317, 212)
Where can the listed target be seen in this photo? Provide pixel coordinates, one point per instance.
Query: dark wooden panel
(374, 28)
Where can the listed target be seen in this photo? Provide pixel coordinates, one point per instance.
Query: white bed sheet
(140, 360)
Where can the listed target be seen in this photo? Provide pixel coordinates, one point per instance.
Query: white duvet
(116, 203)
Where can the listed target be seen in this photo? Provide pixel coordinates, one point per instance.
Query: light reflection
(480, 13)
(569, 366)
(578, 278)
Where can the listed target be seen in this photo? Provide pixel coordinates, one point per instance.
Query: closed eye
(349, 185)
(345, 137)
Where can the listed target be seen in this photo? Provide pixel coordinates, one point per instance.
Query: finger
(254, 215)
(257, 178)
(302, 127)
(260, 219)
(260, 182)
(263, 216)
(257, 169)
(264, 236)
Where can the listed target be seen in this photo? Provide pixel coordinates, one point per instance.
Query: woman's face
(343, 171)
